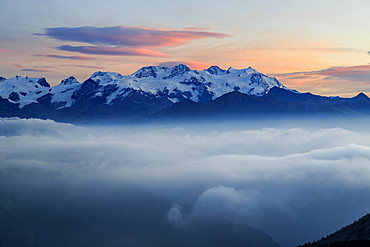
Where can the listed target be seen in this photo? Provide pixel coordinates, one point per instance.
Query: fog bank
(110, 184)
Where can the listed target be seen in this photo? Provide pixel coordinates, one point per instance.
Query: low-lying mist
(131, 186)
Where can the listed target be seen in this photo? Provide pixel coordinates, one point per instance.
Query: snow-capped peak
(149, 71)
(69, 81)
(175, 84)
(178, 70)
(104, 78)
(42, 82)
(215, 70)
(23, 90)
(26, 82)
(250, 70)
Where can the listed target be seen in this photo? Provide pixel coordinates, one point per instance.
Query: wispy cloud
(85, 66)
(3, 50)
(332, 81)
(124, 41)
(19, 66)
(36, 70)
(65, 57)
(358, 72)
(127, 36)
(112, 51)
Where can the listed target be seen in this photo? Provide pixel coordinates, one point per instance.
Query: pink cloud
(359, 72)
(346, 71)
(342, 81)
(127, 36)
(3, 50)
(113, 51)
(19, 66)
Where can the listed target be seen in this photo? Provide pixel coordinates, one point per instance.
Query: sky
(296, 182)
(309, 45)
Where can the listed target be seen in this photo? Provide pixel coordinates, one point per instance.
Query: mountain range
(156, 93)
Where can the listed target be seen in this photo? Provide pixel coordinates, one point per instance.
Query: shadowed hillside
(353, 235)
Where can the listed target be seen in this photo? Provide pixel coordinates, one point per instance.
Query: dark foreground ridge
(356, 234)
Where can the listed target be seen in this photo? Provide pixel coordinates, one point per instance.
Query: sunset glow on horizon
(316, 46)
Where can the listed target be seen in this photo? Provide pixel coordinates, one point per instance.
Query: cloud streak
(127, 36)
(36, 70)
(340, 76)
(65, 57)
(359, 72)
(84, 66)
(123, 40)
(112, 51)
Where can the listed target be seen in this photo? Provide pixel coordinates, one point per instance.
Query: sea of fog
(296, 181)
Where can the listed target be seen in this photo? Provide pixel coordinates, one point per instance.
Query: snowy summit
(176, 84)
